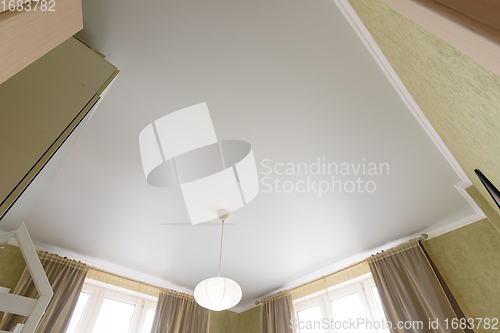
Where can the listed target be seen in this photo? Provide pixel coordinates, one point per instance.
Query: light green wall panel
(232, 322)
(40, 106)
(223, 321)
(460, 97)
(469, 261)
(249, 321)
(11, 266)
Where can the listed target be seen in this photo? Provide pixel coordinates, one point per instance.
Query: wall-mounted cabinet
(41, 106)
(28, 32)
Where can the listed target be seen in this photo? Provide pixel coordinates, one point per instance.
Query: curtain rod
(89, 267)
(122, 277)
(160, 289)
(422, 237)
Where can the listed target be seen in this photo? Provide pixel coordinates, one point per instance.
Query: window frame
(99, 291)
(362, 285)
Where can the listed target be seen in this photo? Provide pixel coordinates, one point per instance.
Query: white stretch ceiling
(294, 80)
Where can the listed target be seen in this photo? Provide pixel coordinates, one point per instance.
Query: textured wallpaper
(11, 266)
(231, 322)
(469, 261)
(248, 321)
(460, 98)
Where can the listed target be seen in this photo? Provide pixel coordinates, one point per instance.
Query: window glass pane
(115, 317)
(77, 314)
(148, 321)
(380, 308)
(310, 320)
(347, 309)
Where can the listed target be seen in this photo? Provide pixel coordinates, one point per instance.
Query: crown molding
(111, 267)
(384, 64)
(346, 262)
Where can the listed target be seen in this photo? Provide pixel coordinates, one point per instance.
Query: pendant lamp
(218, 293)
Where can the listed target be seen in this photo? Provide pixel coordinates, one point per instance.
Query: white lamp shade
(217, 293)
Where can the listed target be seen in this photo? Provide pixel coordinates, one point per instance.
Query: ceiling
(294, 80)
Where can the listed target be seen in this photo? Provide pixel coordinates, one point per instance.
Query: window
(77, 314)
(148, 321)
(312, 314)
(102, 308)
(347, 307)
(376, 295)
(328, 310)
(115, 316)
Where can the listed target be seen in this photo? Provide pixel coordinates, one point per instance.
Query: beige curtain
(179, 313)
(66, 278)
(410, 290)
(276, 314)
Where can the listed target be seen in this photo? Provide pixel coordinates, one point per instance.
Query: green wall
(232, 322)
(248, 321)
(223, 321)
(11, 266)
(469, 260)
(459, 97)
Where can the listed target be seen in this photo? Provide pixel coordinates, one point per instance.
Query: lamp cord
(221, 237)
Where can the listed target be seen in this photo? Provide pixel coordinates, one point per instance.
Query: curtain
(279, 312)
(276, 314)
(411, 291)
(66, 278)
(179, 313)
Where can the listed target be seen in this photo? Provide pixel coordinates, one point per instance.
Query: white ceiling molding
(346, 262)
(182, 148)
(384, 64)
(109, 267)
(20, 305)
